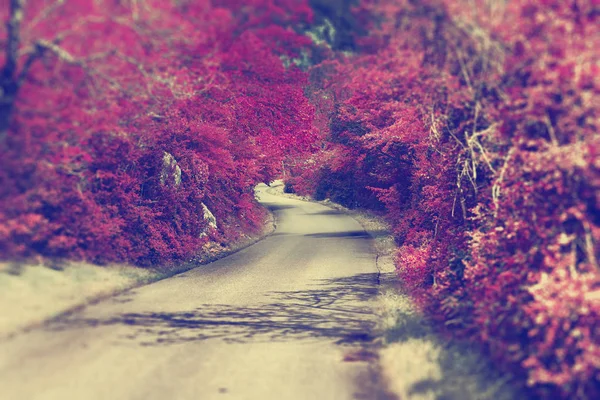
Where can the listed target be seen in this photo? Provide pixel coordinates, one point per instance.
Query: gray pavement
(274, 321)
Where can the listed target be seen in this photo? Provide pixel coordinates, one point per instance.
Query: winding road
(282, 319)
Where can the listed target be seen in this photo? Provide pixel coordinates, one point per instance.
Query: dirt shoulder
(30, 294)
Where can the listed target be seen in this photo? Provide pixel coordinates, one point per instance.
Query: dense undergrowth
(476, 128)
(136, 131)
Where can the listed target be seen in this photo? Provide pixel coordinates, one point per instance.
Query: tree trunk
(8, 92)
(8, 76)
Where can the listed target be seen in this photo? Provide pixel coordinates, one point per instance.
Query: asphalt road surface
(282, 319)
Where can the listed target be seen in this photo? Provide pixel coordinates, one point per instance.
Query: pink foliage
(130, 118)
(477, 129)
(474, 129)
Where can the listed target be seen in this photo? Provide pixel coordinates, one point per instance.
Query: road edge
(269, 228)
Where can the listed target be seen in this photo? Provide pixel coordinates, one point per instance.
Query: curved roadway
(282, 319)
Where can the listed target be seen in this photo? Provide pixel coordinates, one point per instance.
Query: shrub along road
(281, 319)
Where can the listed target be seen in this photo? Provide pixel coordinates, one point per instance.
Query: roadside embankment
(31, 294)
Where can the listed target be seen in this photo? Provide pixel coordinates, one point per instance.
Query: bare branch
(498, 182)
(39, 51)
(46, 13)
(61, 53)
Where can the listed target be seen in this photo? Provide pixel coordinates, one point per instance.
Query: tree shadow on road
(343, 234)
(332, 309)
(273, 207)
(349, 234)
